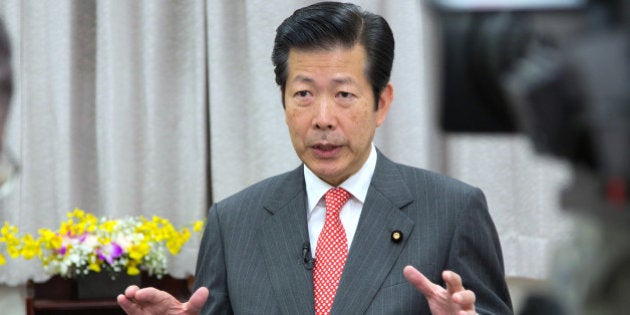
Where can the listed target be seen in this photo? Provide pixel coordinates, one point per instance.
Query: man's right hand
(148, 301)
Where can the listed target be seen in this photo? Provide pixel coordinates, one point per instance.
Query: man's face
(330, 111)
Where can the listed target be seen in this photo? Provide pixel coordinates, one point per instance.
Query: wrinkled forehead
(355, 53)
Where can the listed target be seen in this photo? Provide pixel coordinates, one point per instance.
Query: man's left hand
(454, 300)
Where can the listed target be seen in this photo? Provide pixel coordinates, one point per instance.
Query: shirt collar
(357, 184)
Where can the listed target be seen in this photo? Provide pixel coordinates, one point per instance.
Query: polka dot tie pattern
(331, 252)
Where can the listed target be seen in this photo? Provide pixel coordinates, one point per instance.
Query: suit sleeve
(211, 270)
(476, 256)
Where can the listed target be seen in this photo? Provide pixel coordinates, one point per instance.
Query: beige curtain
(119, 102)
(109, 114)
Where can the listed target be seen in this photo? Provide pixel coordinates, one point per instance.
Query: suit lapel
(373, 253)
(281, 240)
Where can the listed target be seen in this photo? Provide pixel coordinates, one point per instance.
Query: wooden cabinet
(60, 296)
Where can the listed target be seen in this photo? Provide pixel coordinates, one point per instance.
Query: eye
(303, 97)
(302, 94)
(346, 98)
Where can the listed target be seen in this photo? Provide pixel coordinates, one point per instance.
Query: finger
(128, 305)
(151, 295)
(197, 300)
(466, 299)
(418, 280)
(130, 292)
(453, 282)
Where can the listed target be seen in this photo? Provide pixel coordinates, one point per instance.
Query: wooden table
(60, 296)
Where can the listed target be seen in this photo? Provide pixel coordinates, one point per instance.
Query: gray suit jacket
(251, 256)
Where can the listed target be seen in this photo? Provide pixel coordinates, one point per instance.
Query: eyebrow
(336, 81)
(344, 80)
(302, 78)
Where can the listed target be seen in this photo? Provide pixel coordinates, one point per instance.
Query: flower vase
(103, 285)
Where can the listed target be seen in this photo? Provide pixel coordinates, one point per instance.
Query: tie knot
(335, 199)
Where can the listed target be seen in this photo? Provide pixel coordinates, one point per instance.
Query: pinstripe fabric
(251, 253)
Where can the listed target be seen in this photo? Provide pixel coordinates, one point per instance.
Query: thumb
(197, 300)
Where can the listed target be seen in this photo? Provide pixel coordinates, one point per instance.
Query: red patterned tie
(331, 252)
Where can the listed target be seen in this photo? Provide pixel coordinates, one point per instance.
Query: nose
(325, 117)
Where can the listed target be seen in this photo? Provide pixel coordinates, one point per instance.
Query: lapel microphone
(307, 259)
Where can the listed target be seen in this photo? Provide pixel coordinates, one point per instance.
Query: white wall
(13, 300)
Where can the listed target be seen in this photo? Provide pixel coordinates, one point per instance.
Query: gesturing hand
(454, 300)
(147, 301)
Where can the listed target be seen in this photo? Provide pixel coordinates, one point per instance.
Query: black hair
(326, 25)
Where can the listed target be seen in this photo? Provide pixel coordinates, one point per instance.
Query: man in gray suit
(415, 242)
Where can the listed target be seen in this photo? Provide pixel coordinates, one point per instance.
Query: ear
(384, 102)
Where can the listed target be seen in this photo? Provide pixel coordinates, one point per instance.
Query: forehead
(339, 60)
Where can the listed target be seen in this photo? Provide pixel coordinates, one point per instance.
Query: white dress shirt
(357, 185)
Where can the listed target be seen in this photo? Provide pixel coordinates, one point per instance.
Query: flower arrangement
(84, 243)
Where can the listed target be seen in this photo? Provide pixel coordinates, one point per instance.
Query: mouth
(325, 150)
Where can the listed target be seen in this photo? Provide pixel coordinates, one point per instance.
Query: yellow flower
(85, 243)
(133, 270)
(30, 247)
(50, 239)
(198, 226)
(95, 266)
(108, 226)
(77, 213)
(177, 240)
(12, 242)
(13, 249)
(138, 251)
(8, 230)
(66, 227)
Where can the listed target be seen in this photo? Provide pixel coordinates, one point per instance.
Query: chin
(328, 175)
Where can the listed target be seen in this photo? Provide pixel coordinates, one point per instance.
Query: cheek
(298, 117)
(289, 118)
(361, 122)
(293, 122)
(364, 133)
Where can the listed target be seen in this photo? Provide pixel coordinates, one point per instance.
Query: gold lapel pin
(397, 236)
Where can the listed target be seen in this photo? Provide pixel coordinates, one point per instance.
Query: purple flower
(109, 252)
(83, 237)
